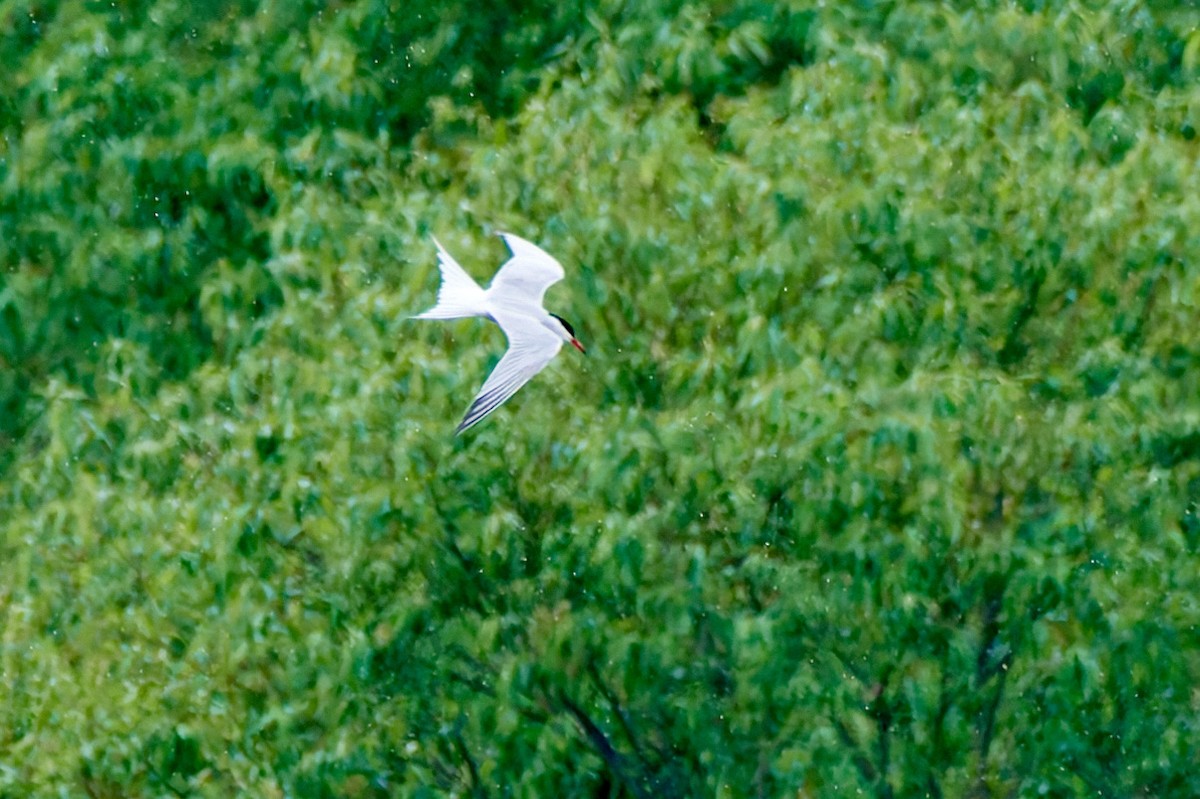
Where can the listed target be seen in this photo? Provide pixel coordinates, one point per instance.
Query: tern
(514, 302)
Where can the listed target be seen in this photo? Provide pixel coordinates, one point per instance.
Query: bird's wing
(459, 296)
(530, 347)
(524, 278)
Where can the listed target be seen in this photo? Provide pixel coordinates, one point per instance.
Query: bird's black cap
(565, 324)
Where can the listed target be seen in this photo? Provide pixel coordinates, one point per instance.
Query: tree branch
(881, 710)
(618, 711)
(476, 786)
(603, 746)
(988, 725)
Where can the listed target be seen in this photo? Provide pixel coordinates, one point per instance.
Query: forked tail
(459, 295)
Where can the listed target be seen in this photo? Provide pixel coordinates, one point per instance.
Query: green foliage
(882, 474)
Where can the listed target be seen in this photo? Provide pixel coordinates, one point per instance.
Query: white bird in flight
(514, 302)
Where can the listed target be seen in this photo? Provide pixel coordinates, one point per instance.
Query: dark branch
(476, 786)
(988, 725)
(618, 711)
(603, 746)
(881, 710)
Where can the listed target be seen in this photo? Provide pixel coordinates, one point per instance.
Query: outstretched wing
(530, 347)
(523, 279)
(459, 296)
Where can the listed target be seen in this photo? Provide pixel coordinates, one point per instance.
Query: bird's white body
(514, 302)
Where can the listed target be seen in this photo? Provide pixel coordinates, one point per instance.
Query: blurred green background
(881, 477)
